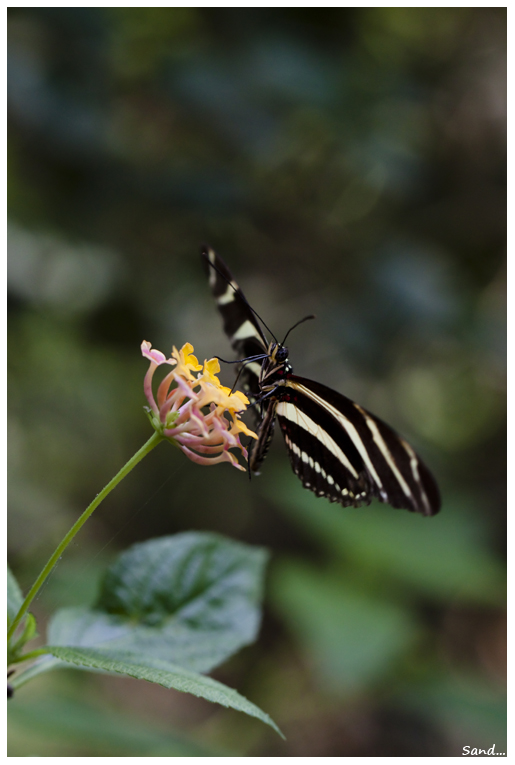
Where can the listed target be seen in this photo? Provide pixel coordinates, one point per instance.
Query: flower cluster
(193, 410)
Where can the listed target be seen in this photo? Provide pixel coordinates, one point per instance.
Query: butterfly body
(337, 448)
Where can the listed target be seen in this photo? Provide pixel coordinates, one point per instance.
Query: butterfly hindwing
(343, 452)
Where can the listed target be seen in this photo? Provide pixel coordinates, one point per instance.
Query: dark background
(346, 162)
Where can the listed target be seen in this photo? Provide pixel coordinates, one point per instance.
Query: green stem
(30, 655)
(145, 449)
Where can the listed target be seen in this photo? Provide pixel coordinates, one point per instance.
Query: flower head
(193, 409)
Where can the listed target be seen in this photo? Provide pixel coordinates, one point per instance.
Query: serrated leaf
(14, 596)
(163, 673)
(192, 598)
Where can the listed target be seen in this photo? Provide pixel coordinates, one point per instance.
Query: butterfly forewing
(240, 324)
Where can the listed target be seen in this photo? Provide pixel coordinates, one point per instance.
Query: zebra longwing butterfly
(336, 447)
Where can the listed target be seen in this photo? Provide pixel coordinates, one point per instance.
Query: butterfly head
(279, 353)
(276, 366)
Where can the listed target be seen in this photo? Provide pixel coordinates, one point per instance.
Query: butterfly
(337, 448)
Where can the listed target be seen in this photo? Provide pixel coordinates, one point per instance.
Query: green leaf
(193, 598)
(163, 673)
(353, 637)
(14, 596)
(445, 557)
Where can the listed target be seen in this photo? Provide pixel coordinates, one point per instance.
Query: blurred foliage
(446, 560)
(348, 162)
(66, 726)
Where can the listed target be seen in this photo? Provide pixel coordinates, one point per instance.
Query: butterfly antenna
(311, 316)
(205, 255)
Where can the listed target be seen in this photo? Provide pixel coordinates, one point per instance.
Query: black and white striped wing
(240, 324)
(342, 452)
(265, 435)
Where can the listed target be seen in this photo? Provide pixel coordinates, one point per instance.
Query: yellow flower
(198, 414)
(186, 361)
(211, 368)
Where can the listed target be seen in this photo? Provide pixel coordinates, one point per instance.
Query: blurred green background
(346, 162)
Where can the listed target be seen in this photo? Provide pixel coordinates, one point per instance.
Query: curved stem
(145, 449)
